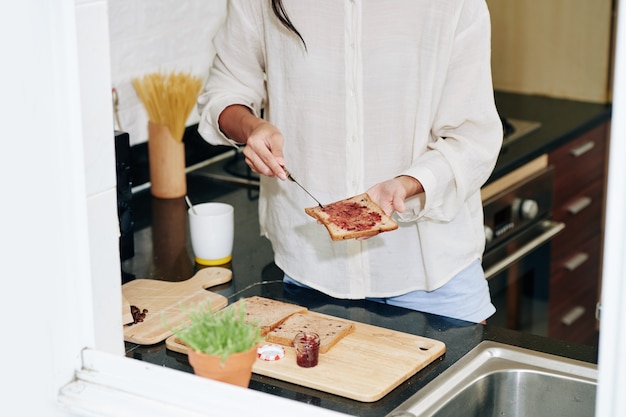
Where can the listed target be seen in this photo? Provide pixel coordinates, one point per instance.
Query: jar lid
(270, 352)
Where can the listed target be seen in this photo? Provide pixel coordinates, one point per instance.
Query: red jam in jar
(307, 346)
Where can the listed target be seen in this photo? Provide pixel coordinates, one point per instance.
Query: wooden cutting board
(163, 299)
(364, 366)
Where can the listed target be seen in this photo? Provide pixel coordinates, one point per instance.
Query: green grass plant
(222, 332)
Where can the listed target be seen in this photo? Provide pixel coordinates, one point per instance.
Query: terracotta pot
(236, 370)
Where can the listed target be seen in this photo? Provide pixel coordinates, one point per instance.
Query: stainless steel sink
(500, 380)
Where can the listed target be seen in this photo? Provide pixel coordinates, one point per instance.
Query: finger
(270, 157)
(282, 174)
(257, 164)
(275, 158)
(277, 166)
(397, 205)
(251, 165)
(253, 161)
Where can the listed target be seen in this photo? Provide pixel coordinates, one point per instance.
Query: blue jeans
(465, 297)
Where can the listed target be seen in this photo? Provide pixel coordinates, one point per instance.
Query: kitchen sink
(501, 380)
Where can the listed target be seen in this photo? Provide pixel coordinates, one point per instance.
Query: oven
(518, 231)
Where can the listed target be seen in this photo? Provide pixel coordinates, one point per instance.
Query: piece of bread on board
(331, 330)
(266, 312)
(353, 217)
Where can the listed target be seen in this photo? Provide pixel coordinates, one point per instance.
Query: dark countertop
(162, 251)
(561, 121)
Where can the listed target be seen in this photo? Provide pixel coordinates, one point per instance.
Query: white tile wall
(117, 41)
(93, 52)
(99, 150)
(105, 270)
(158, 35)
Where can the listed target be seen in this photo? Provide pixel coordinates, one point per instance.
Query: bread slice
(353, 217)
(266, 312)
(331, 330)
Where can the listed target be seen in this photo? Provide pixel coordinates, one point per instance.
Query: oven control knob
(488, 234)
(529, 209)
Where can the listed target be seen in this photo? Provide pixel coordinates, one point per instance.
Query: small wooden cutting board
(163, 300)
(365, 365)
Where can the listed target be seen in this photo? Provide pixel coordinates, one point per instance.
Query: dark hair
(281, 14)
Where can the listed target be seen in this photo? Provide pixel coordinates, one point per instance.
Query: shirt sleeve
(238, 71)
(466, 133)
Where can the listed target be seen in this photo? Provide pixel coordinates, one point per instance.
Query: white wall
(99, 155)
(612, 363)
(45, 303)
(158, 35)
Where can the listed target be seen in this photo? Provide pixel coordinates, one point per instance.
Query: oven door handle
(551, 229)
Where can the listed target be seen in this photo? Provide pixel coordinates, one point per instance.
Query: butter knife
(292, 179)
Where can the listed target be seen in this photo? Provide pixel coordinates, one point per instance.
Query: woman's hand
(391, 194)
(264, 142)
(264, 150)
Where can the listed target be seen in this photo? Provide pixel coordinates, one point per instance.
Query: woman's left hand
(390, 194)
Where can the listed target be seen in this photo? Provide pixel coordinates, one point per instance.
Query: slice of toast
(331, 330)
(353, 217)
(266, 312)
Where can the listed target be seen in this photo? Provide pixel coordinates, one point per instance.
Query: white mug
(212, 233)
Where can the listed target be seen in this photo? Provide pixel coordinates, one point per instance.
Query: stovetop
(515, 129)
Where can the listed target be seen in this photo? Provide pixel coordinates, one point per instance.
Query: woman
(390, 97)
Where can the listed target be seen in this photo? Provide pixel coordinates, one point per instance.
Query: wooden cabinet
(576, 257)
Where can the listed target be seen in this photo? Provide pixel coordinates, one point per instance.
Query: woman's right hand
(264, 150)
(264, 142)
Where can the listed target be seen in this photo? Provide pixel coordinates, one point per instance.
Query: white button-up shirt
(383, 88)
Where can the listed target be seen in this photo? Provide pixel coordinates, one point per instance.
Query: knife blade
(292, 179)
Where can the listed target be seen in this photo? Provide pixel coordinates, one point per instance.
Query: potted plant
(221, 345)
